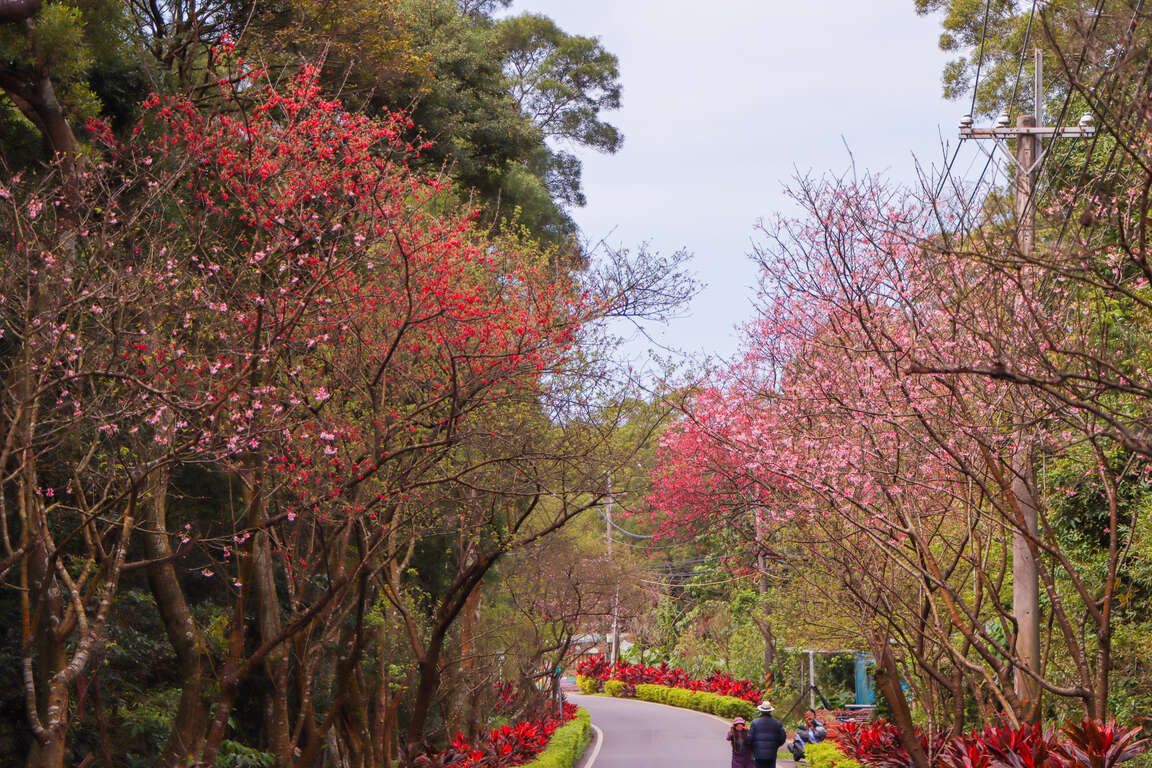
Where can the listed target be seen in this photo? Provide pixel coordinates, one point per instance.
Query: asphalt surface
(640, 734)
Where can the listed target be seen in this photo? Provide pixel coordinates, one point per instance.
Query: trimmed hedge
(614, 688)
(827, 754)
(701, 701)
(587, 684)
(567, 743)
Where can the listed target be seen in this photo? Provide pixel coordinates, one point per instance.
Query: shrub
(1090, 744)
(878, 744)
(566, 745)
(701, 701)
(588, 684)
(597, 667)
(1096, 744)
(521, 743)
(613, 687)
(233, 754)
(827, 754)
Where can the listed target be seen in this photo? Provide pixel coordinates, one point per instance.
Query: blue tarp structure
(865, 691)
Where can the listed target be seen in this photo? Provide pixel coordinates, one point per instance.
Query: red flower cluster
(1091, 744)
(597, 667)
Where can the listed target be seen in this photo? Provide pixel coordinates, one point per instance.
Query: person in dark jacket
(767, 736)
(741, 744)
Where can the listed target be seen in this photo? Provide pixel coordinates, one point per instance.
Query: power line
(1020, 66)
(624, 531)
(980, 60)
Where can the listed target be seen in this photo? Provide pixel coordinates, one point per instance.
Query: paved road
(640, 734)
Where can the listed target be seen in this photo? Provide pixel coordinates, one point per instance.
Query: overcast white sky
(725, 100)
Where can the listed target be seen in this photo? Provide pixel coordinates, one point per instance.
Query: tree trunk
(35, 96)
(888, 681)
(429, 681)
(267, 605)
(190, 724)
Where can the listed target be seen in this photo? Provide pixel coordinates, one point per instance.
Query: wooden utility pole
(1028, 154)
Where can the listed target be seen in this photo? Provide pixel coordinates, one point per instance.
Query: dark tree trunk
(888, 681)
(190, 724)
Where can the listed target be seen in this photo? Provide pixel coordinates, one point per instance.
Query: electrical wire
(972, 106)
(1067, 100)
(980, 59)
(1020, 66)
(693, 584)
(625, 531)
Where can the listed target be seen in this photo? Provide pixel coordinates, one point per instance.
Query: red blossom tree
(266, 295)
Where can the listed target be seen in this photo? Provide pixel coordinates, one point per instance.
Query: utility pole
(763, 622)
(614, 652)
(1028, 154)
(811, 679)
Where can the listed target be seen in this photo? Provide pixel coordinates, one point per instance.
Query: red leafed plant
(877, 744)
(1001, 746)
(1028, 746)
(1090, 744)
(502, 747)
(1098, 744)
(597, 667)
(963, 753)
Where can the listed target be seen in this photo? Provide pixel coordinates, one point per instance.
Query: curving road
(640, 734)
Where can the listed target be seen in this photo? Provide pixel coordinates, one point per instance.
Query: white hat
(765, 706)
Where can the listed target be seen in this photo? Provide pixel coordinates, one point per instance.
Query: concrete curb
(592, 751)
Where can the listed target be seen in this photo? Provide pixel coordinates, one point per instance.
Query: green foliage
(998, 36)
(233, 754)
(561, 82)
(69, 40)
(567, 743)
(614, 687)
(827, 754)
(701, 701)
(587, 684)
(147, 720)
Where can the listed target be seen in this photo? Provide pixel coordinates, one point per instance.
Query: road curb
(592, 750)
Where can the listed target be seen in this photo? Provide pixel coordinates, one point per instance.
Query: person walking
(741, 744)
(767, 735)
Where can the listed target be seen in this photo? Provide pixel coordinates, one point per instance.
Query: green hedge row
(827, 755)
(614, 687)
(587, 684)
(701, 701)
(567, 743)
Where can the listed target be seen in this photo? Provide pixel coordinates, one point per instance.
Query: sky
(724, 102)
